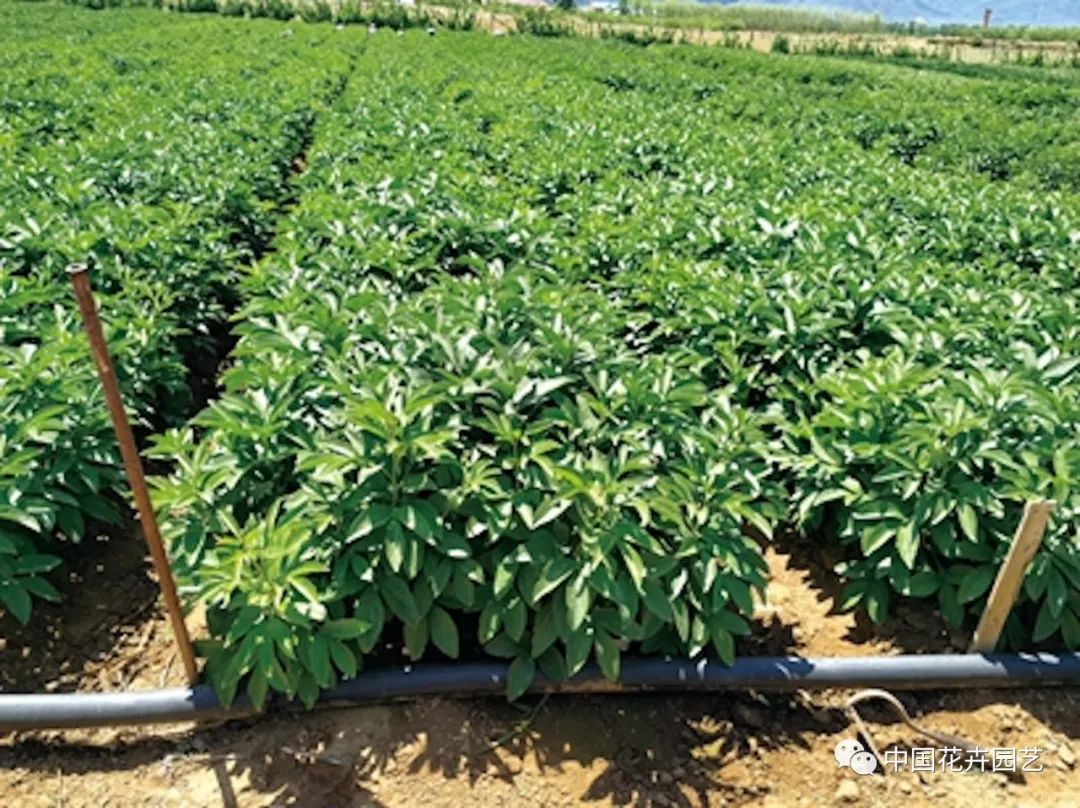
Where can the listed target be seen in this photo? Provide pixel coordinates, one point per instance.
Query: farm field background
(532, 347)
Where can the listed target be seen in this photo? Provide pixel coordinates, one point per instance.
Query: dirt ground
(641, 750)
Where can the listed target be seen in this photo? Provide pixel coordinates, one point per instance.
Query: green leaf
(922, 584)
(634, 565)
(35, 564)
(225, 689)
(370, 609)
(577, 604)
(416, 638)
(554, 573)
(345, 629)
(607, 655)
(305, 588)
(504, 577)
(739, 592)
(875, 537)
(398, 597)
(444, 632)
(877, 601)
(969, 521)
(549, 511)
(1061, 368)
(71, 522)
(656, 600)
(1056, 592)
(520, 675)
(723, 642)
(490, 621)
(681, 618)
(503, 647)
(320, 662)
(100, 509)
(514, 618)
(730, 622)
(553, 665)
(974, 583)
(308, 691)
(907, 544)
(463, 589)
(951, 609)
(1045, 623)
(242, 623)
(394, 544)
(544, 632)
(16, 600)
(343, 658)
(452, 545)
(578, 646)
(851, 595)
(257, 689)
(40, 588)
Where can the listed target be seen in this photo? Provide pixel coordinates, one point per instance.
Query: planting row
(157, 149)
(990, 121)
(555, 328)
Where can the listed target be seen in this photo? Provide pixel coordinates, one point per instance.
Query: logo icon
(851, 754)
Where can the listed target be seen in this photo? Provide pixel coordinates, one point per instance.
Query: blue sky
(1006, 12)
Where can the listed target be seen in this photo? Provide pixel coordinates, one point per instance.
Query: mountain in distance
(943, 12)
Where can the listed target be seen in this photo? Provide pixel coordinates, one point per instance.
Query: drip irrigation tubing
(903, 672)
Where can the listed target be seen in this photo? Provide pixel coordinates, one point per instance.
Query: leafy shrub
(235, 8)
(569, 514)
(926, 470)
(200, 6)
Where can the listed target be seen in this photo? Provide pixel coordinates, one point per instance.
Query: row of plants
(558, 332)
(934, 113)
(159, 152)
(452, 14)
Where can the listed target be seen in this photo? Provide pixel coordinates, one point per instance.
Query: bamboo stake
(1011, 575)
(80, 280)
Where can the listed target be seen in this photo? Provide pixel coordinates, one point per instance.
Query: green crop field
(527, 345)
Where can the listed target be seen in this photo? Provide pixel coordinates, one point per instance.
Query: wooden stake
(1011, 575)
(80, 280)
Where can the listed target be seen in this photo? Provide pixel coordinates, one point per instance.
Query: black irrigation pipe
(906, 672)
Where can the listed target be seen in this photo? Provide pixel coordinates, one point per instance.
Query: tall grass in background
(755, 17)
(751, 17)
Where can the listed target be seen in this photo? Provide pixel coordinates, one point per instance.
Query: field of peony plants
(533, 344)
